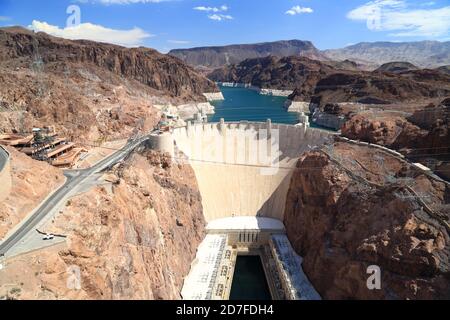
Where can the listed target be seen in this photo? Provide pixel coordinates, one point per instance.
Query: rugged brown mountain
(381, 87)
(444, 69)
(351, 207)
(328, 82)
(275, 73)
(396, 67)
(423, 137)
(160, 72)
(216, 57)
(88, 90)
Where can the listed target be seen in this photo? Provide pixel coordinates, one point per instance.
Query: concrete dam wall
(5, 174)
(244, 169)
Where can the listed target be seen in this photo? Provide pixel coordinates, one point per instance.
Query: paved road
(74, 179)
(3, 158)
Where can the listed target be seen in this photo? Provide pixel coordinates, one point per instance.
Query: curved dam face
(244, 169)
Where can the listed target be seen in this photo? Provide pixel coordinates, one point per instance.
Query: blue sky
(168, 24)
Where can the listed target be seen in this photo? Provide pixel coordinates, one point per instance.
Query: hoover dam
(243, 170)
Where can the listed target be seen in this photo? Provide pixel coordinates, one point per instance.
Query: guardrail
(5, 174)
(4, 157)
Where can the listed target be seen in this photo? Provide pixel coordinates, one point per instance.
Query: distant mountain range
(425, 54)
(216, 57)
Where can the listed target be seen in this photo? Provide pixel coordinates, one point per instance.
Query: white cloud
(3, 18)
(178, 41)
(220, 17)
(299, 10)
(402, 19)
(88, 31)
(123, 1)
(214, 13)
(212, 9)
(207, 9)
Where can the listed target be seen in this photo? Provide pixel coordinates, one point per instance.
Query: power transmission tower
(37, 66)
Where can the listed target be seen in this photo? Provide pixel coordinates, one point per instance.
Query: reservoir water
(245, 104)
(249, 280)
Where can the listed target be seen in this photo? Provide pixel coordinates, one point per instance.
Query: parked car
(48, 237)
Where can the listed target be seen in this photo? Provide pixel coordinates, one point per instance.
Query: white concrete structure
(326, 120)
(303, 119)
(199, 284)
(188, 111)
(212, 271)
(275, 92)
(214, 96)
(245, 223)
(289, 267)
(162, 142)
(298, 106)
(262, 91)
(244, 169)
(238, 85)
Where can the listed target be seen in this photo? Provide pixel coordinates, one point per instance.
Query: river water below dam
(249, 281)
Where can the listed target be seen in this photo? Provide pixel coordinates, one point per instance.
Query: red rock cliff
(371, 209)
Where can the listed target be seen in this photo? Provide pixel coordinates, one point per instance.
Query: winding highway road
(75, 178)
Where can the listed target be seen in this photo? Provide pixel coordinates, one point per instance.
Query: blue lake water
(245, 104)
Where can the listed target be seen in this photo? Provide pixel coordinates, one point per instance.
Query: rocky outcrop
(351, 207)
(271, 72)
(89, 91)
(397, 67)
(122, 251)
(86, 106)
(444, 69)
(216, 57)
(378, 88)
(147, 66)
(423, 137)
(325, 83)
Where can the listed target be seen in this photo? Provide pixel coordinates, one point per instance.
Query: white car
(48, 237)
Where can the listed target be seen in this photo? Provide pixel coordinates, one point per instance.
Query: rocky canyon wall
(350, 207)
(132, 238)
